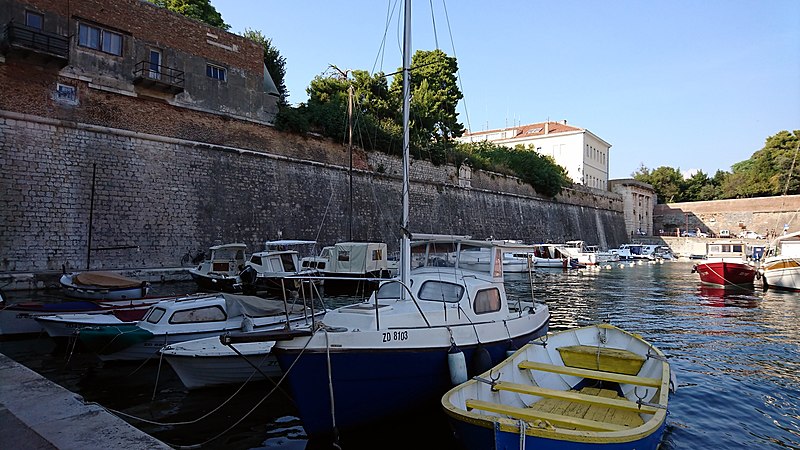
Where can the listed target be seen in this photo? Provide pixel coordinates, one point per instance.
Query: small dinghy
(102, 286)
(585, 388)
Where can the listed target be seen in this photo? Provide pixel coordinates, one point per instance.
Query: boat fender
(457, 363)
(247, 324)
(673, 381)
(481, 360)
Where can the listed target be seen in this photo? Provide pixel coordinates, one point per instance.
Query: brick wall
(163, 196)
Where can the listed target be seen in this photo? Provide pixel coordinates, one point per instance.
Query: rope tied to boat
(330, 389)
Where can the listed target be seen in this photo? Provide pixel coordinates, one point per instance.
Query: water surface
(735, 353)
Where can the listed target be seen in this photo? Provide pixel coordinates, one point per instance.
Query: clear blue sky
(682, 83)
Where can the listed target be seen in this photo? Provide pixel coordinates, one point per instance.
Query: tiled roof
(534, 129)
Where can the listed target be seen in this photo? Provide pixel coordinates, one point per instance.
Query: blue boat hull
(372, 386)
(474, 437)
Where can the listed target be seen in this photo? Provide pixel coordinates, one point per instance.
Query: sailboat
(415, 337)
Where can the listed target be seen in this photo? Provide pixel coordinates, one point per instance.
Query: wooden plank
(593, 374)
(574, 396)
(607, 359)
(557, 420)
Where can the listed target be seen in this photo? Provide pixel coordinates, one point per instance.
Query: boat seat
(606, 359)
(558, 420)
(574, 396)
(592, 374)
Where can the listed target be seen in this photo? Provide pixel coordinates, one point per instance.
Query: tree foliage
(770, 171)
(201, 10)
(434, 97)
(377, 117)
(276, 64)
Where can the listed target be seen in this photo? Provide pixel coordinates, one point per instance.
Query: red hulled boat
(726, 265)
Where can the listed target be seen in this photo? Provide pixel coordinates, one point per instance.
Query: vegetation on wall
(201, 10)
(770, 171)
(377, 120)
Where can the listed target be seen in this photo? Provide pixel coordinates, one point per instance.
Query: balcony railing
(18, 38)
(158, 77)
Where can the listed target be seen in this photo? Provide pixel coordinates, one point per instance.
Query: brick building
(112, 62)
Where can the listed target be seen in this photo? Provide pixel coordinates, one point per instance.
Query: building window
(100, 39)
(216, 72)
(34, 20)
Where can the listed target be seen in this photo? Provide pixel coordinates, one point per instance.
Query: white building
(579, 151)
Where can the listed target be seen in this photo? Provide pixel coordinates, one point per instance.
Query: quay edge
(46, 416)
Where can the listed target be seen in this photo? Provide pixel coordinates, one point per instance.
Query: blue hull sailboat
(416, 336)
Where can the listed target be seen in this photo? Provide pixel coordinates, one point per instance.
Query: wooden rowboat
(590, 387)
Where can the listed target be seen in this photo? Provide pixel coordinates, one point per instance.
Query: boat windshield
(389, 290)
(441, 291)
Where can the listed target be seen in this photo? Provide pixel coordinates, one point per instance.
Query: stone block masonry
(155, 198)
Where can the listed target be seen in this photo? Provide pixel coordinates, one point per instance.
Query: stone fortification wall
(152, 198)
(762, 215)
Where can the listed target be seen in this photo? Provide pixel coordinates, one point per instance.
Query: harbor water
(736, 354)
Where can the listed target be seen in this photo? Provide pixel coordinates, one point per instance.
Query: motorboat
(726, 264)
(550, 256)
(588, 255)
(781, 265)
(102, 285)
(517, 257)
(628, 252)
(276, 269)
(66, 324)
(220, 271)
(392, 354)
(583, 388)
(178, 320)
(21, 318)
(353, 268)
(396, 344)
(206, 362)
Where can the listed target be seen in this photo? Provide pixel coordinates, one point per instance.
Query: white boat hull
(783, 277)
(207, 362)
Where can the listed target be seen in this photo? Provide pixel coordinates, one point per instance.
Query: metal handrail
(169, 75)
(33, 38)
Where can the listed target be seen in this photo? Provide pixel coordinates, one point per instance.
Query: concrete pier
(36, 413)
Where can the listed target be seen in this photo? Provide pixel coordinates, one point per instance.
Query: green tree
(768, 172)
(201, 10)
(276, 64)
(667, 182)
(434, 97)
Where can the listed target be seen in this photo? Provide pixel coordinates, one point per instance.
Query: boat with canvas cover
(65, 324)
(594, 387)
(101, 285)
(781, 266)
(399, 351)
(726, 264)
(179, 320)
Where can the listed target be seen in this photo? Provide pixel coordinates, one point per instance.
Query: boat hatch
(366, 308)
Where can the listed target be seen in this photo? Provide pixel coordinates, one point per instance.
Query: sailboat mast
(405, 242)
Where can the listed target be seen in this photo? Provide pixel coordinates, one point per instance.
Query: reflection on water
(735, 353)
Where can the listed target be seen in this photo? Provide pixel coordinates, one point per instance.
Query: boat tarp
(357, 257)
(253, 306)
(105, 280)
